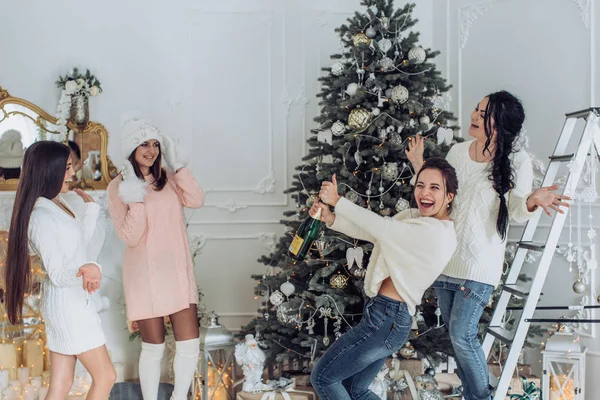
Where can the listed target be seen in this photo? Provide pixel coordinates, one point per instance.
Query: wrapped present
(283, 389)
(525, 388)
(302, 378)
(522, 369)
(414, 366)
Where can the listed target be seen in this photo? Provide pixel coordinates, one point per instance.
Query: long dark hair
(508, 115)
(158, 172)
(448, 173)
(43, 174)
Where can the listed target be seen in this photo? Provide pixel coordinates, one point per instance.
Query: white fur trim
(132, 189)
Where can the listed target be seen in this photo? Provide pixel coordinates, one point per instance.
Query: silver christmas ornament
(386, 63)
(338, 128)
(395, 139)
(382, 134)
(352, 196)
(402, 204)
(352, 88)
(389, 171)
(371, 32)
(417, 55)
(337, 68)
(376, 111)
(384, 45)
(399, 94)
(579, 287)
(276, 298)
(424, 120)
(287, 288)
(286, 315)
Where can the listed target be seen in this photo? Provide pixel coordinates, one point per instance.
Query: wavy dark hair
(505, 116)
(43, 174)
(158, 172)
(448, 173)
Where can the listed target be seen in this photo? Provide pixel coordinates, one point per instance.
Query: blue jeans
(349, 366)
(461, 303)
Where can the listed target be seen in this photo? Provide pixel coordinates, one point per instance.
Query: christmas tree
(381, 91)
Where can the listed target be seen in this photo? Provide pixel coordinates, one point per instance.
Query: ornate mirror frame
(107, 168)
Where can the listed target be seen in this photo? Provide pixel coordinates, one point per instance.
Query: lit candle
(3, 379)
(36, 381)
(42, 392)
(29, 392)
(23, 376)
(120, 372)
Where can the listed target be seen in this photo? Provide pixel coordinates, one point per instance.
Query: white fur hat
(11, 149)
(136, 131)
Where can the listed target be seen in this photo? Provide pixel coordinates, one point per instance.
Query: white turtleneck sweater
(479, 254)
(410, 249)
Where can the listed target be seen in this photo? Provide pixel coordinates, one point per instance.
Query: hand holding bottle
(329, 192)
(326, 215)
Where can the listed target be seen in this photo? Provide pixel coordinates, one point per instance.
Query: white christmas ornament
(386, 63)
(276, 298)
(325, 136)
(352, 89)
(399, 94)
(338, 128)
(252, 359)
(376, 111)
(287, 288)
(417, 55)
(425, 120)
(444, 135)
(371, 32)
(354, 255)
(384, 45)
(337, 68)
(390, 171)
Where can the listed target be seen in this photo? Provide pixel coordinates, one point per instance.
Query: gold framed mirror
(23, 123)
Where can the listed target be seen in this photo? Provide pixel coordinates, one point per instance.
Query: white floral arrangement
(75, 83)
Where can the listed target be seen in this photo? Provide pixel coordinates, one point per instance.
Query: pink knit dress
(158, 275)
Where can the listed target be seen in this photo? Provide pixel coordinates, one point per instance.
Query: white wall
(234, 81)
(544, 51)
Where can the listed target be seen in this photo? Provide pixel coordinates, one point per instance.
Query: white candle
(42, 392)
(23, 375)
(29, 392)
(120, 372)
(36, 381)
(3, 379)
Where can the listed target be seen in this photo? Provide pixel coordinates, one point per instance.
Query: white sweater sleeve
(517, 197)
(342, 225)
(45, 241)
(89, 221)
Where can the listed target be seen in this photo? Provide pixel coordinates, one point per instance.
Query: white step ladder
(589, 143)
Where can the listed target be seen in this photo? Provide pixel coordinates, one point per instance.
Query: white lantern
(563, 367)
(215, 380)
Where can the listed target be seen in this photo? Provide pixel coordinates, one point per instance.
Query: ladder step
(532, 246)
(565, 158)
(581, 113)
(502, 334)
(515, 289)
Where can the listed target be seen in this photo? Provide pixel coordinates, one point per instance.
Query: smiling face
(69, 174)
(147, 153)
(430, 194)
(477, 127)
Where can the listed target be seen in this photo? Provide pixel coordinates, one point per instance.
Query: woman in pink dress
(145, 203)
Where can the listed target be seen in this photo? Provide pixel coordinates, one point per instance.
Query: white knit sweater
(410, 249)
(480, 251)
(72, 323)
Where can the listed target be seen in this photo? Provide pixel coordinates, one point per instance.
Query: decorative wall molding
(267, 239)
(584, 7)
(467, 15)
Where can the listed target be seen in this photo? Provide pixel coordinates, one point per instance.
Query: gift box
(302, 378)
(522, 370)
(523, 384)
(294, 394)
(414, 366)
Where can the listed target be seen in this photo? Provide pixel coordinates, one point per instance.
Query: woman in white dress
(43, 224)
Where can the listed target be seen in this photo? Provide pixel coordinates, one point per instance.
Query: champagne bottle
(305, 236)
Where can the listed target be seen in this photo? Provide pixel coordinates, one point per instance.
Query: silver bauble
(424, 120)
(287, 288)
(338, 128)
(371, 32)
(417, 55)
(389, 171)
(337, 68)
(376, 111)
(386, 63)
(352, 88)
(407, 351)
(579, 287)
(399, 94)
(384, 45)
(402, 204)
(395, 139)
(352, 196)
(276, 298)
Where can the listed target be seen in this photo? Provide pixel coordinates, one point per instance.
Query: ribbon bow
(530, 391)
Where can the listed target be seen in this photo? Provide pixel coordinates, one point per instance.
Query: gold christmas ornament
(338, 281)
(359, 119)
(360, 39)
(407, 351)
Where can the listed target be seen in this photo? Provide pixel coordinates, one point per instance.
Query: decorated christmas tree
(382, 90)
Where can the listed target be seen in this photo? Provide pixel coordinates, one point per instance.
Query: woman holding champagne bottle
(402, 266)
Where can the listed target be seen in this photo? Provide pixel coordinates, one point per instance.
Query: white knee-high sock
(184, 366)
(149, 369)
